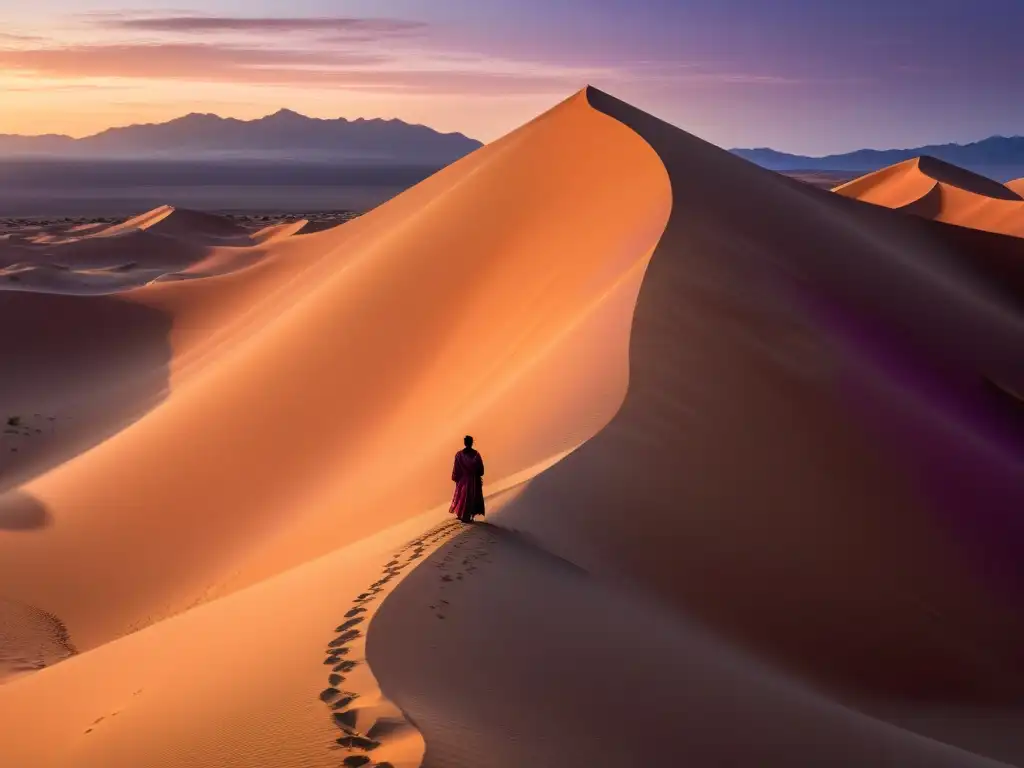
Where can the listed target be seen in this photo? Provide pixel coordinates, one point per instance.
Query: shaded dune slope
(811, 462)
(837, 483)
(934, 189)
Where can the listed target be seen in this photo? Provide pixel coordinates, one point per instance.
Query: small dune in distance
(933, 189)
(755, 468)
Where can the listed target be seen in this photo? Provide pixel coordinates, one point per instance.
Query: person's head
(468, 441)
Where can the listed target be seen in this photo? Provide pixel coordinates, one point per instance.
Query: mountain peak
(197, 116)
(287, 114)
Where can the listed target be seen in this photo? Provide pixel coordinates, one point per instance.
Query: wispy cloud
(175, 61)
(372, 54)
(358, 27)
(61, 87)
(203, 62)
(10, 37)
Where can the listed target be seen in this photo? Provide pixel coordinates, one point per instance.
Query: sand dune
(192, 226)
(165, 243)
(764, 514)
(936, 190)
(809, 462)
(279, 231)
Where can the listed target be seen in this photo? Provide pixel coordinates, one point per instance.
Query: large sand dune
(765, 514)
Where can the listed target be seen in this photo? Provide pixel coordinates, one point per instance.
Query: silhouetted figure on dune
(468, 476)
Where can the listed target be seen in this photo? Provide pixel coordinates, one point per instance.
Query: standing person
(468, 476)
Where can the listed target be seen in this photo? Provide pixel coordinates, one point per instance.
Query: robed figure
(468, 476)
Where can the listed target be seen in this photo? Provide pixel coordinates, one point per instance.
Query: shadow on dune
(20, 512)
(948, 173)
(740, 481)
(77, 370)
(807, 459)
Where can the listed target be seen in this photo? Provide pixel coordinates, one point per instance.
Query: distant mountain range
(283, 136)
(998, 157)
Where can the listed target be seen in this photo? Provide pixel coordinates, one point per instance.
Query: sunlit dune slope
(937, 190)
(306, 401)
(231, 683)
(279, 231)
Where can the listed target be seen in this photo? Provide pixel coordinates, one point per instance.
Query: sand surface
(753, 455)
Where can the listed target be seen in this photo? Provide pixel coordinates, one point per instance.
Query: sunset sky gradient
(808, 76)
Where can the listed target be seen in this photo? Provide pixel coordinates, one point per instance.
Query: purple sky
(809, 76)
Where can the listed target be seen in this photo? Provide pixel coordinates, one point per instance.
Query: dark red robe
(467, 474)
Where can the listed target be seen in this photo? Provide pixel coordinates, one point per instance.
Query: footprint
(358, 742)
(327, 695)
(349, 624)
(385, 727)
(345, 719)
(345, 637)
(355, 761)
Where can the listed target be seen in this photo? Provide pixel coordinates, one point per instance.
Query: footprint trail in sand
(364, 730)
(460, 562)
